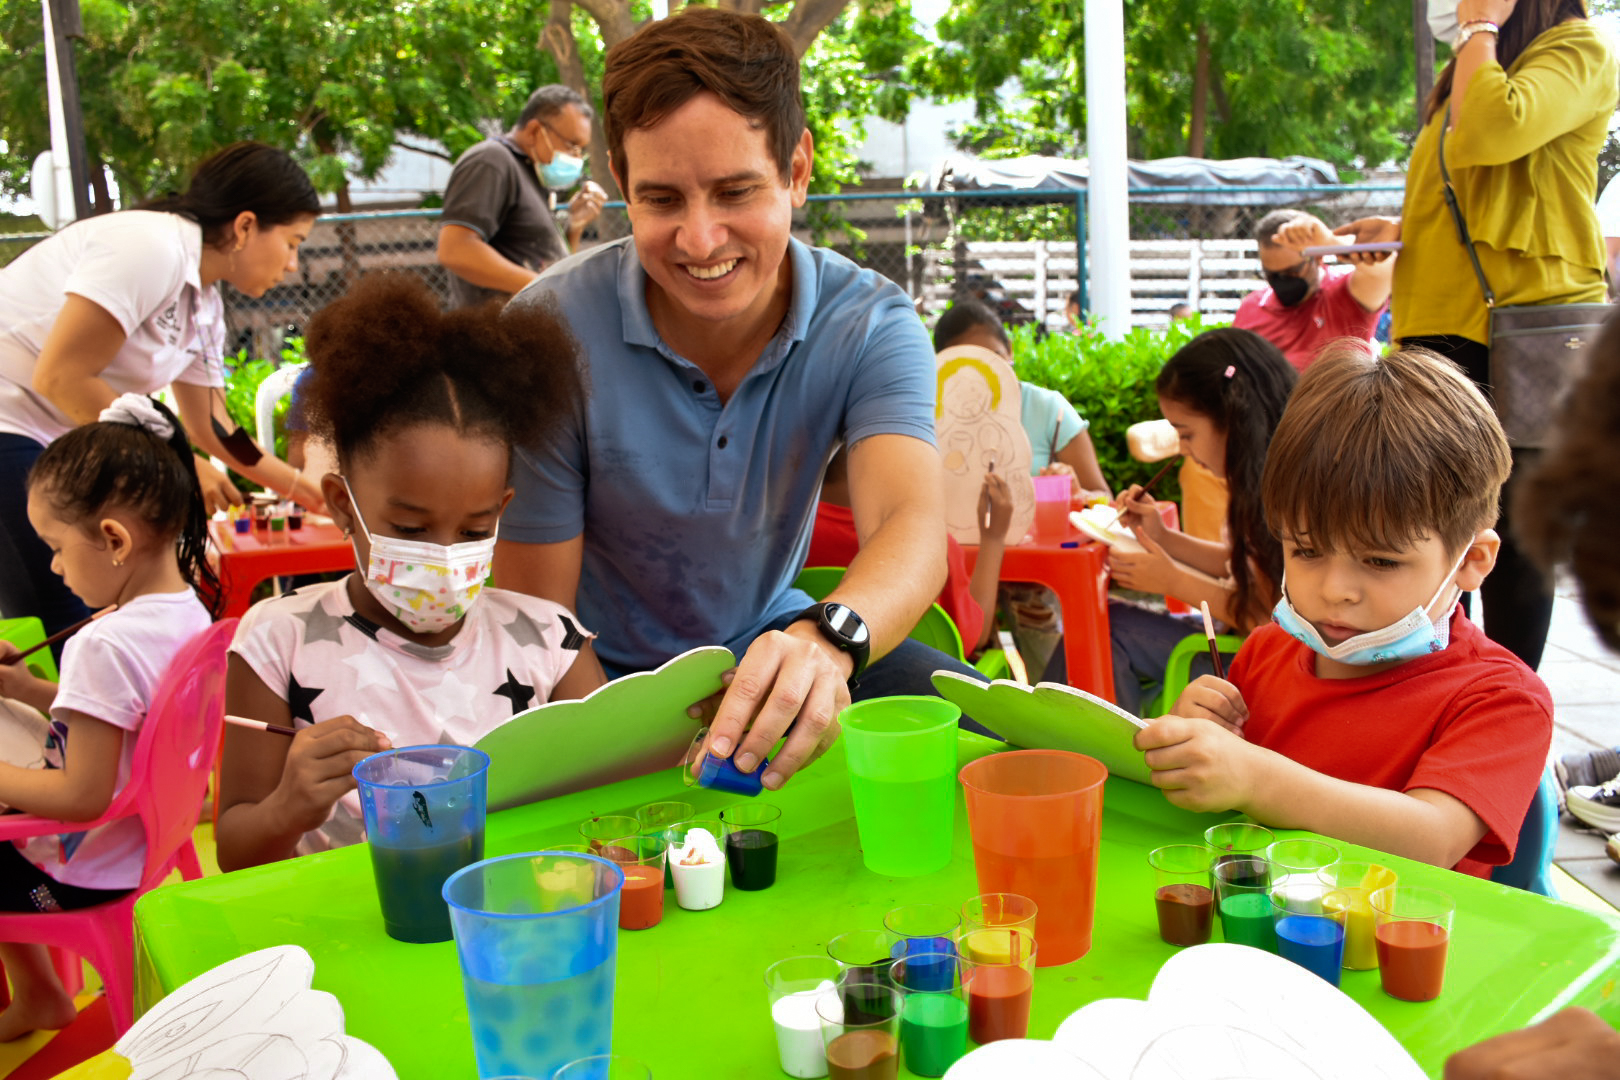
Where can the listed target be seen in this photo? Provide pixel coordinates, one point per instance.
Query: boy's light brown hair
(1377, 453)
(745, 60)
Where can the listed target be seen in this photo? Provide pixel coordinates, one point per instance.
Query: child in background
(424, 409)
(1373, 711)
(1224, 391)
(970, 600)
(117, 502)
(1059, 439)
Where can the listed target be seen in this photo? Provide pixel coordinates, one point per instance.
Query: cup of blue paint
(706, 770)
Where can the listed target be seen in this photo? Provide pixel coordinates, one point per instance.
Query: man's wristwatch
(845, 629)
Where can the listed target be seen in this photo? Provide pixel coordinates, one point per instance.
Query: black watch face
(846, 624)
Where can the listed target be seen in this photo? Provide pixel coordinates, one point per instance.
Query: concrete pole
(1107, 197)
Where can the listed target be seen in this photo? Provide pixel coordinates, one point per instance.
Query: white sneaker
(1597, 805)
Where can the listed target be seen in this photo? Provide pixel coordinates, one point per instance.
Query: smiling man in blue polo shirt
(728, 362)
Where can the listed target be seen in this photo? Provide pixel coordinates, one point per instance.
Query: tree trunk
(1200, 97)
(100, 197)
(1423, 55)
(557, 38)
(809, 18)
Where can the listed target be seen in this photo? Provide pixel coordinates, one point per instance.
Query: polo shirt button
(700, 386)
(722, 443)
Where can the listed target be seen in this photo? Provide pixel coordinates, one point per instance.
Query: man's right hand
(788, 678)
(1369, 230)
(320, 768)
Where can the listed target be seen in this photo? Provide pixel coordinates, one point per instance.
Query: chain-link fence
(1019, 251)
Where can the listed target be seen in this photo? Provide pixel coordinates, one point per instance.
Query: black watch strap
(840, 625)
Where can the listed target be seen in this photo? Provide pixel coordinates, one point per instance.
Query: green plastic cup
(902, 776)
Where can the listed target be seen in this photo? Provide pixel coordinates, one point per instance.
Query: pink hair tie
(1231, 370)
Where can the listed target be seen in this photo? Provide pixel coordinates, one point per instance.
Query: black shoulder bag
(1537, 351)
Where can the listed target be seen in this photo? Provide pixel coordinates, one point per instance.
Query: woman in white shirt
(129, 302)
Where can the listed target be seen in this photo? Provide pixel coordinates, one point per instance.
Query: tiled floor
(1584, 677)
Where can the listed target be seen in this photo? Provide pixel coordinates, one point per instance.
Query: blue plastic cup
(537, 935)
(424, 808)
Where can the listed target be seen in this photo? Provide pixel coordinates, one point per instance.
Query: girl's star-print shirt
(313, 650)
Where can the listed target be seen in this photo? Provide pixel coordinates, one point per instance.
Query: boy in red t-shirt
(1373, 710)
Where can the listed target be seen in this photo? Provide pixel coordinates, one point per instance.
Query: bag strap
(1462, 226)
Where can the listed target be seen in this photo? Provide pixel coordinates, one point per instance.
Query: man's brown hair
(745, 60)
(1379, 453)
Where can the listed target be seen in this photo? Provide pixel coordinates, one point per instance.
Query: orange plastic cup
(1035, 817)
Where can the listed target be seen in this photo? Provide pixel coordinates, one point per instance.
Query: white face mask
(428, 587)
(1443, 20)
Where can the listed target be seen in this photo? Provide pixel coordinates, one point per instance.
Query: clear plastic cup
(642, 858)
(604, 1067)
(1182, 897)
(1354, 883)
(1309, 929)
(934, 1010)
(1036, 816)
(424, 812)
(902, 758)
(598, 831)
(864, 957)
(1002, 985)
(861, 1044)
(792, 987)
(999, 910)
(699, 885)
(706, 770)
(1242, 884)
(658, 816)
(753, 838)
(1414, 936)
(923, 929)
(537, 937)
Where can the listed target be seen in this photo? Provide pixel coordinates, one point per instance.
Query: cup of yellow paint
(1353, 883)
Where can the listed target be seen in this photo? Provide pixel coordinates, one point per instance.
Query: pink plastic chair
(174, 751)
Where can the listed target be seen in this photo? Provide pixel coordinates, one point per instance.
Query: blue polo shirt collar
(638, 323)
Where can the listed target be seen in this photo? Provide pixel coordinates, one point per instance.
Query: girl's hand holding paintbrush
(1139, 511)
(20, 684)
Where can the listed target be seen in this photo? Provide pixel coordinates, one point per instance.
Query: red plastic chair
(173, 754)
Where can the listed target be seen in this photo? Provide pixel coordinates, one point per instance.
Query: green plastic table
(690, 996)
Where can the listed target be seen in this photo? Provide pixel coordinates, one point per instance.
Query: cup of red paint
(1413, 930)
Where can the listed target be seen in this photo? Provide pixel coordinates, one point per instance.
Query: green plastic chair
(25, 633)
(936, 630)
(1179, 667)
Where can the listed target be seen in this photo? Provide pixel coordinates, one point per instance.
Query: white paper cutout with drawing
(252, 1018)
(978, 423)
(1217, 1011)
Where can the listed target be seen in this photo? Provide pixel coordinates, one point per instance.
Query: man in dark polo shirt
(496, 232)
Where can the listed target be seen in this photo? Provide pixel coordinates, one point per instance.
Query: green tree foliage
(1224, 78)
(341, 83)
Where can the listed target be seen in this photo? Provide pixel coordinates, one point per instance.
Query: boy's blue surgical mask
(1411, 637)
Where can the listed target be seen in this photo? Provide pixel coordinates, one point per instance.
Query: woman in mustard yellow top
(1528, 96)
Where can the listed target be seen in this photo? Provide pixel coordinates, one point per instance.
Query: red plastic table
(245, 559)
(1079, 576)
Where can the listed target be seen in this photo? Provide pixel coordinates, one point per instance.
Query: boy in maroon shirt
(1373, 710)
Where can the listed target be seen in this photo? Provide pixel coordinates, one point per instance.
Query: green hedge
(1110, 383)
(242, 379)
